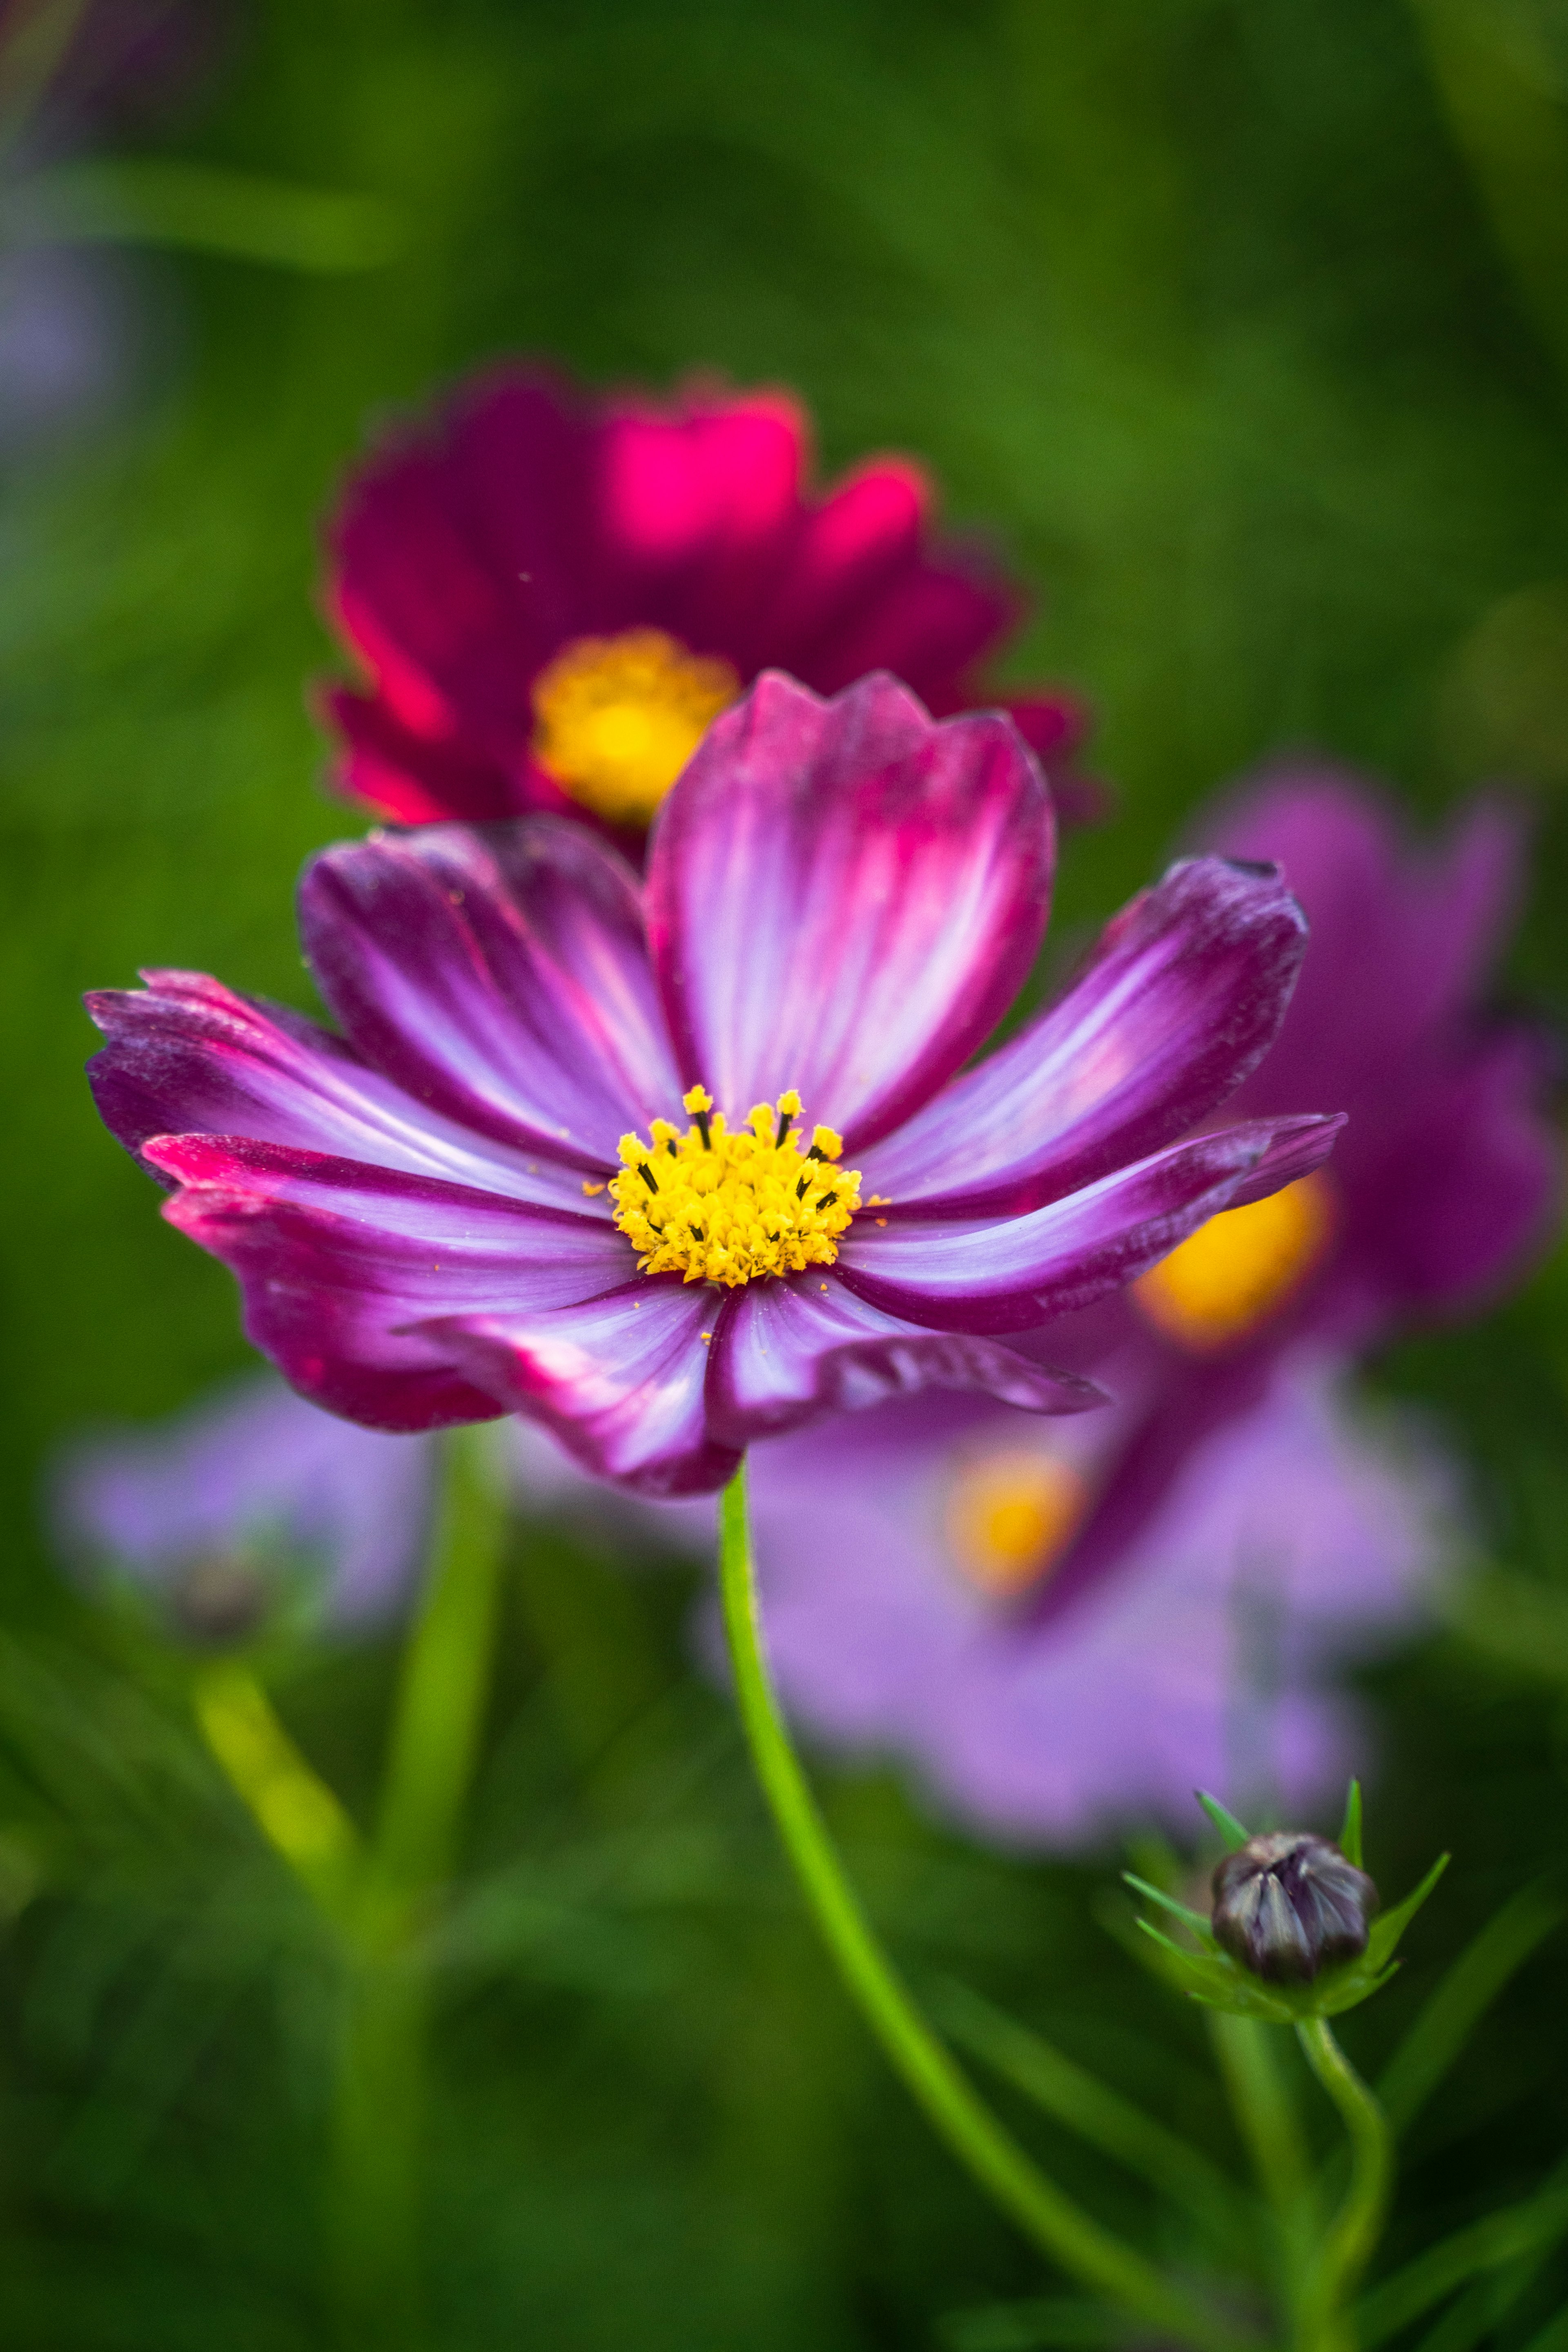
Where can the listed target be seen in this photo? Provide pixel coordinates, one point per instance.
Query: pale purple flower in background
(250, 1502)
(1298, 1536)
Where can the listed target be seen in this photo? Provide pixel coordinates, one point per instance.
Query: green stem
(379, 2095)
(1355, 2227)
(1058, 2227)
(1265, 2113)
(290, 1804)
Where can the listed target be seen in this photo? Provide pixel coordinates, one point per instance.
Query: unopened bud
(1287, 1904)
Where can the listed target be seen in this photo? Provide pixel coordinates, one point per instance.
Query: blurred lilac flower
(895, 1553)
(554, 593)
(251, 1501)
(451, 1211)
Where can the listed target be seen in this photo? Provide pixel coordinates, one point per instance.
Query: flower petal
(845, 897)
(187, 1056)
(502, 977)
(786, 1351)
(458, 557)
(419, 779)
(1185, 992)
(1008, 1273)
(337, 1260)
(619, 1380)
(1403, 933)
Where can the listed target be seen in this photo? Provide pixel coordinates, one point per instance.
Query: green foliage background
(1240, 321)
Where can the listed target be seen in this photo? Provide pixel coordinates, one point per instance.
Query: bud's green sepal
(1211, 1976)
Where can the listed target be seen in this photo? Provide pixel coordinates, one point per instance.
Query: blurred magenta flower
(446, 1213)
(251, 1501)
(555, 592)
(1069, 1626)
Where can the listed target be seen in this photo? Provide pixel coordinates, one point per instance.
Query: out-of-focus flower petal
(456, 557)
(1057, 1732)
(1010, 1273)
(619, 1380)
(188, 1056)
(787, 1352)
(503, 980)
(421, 780)
(1402, 930)
(240, 1474)
(1472, 1185)
(1185, 994)
(844, 899)
(337, 1262)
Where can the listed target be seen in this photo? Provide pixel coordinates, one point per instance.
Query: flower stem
(1355, 2227)
(1071, 2237)
(291, 1805)
(379, 2093)
(1265, 2110)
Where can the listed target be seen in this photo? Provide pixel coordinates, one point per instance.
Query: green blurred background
(1243, 326)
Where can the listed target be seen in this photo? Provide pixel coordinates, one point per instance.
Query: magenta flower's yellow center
(1240, 1267)
(1010, 1516)
(717, 1207)
(616, 718)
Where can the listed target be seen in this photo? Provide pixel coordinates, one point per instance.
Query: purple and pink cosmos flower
(553, 592)
(842, 900)
(1066, 1626)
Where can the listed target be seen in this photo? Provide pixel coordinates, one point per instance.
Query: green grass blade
(1461, 2000)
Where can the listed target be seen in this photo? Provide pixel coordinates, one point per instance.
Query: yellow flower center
(1240, 1267)
(1010, 1516)
(616, 718)
(717, 1207)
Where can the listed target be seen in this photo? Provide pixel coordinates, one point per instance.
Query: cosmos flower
(554, 593)
(1070, 1625)
(476, 1198)
(897, 1555)
(250, 1503)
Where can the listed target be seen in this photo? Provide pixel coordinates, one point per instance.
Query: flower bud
(1287, 1904)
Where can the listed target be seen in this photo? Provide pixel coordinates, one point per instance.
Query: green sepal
(1189, 1919)
(1349, 1835)
(1229, 1828)
(1388, 1927)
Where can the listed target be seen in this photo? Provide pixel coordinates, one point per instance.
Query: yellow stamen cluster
(717, 1207)
(1240, 1267)
(1010, 1516)
(618, 718)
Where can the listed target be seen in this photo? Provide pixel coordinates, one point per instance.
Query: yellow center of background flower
(1240, 1267)
(717, 1207)
(616, 718)
(1009, 1518)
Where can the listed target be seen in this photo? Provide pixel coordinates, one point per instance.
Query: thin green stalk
(379, 2094)
(1355, 2227)
(1068, 2093)
(1265, 2111)
(290, 1804)
(1071, 2237)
